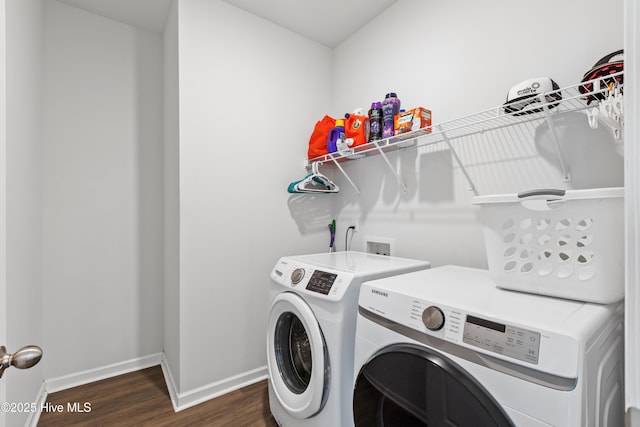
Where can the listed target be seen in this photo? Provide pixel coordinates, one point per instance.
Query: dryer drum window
(293, 352)
(404, 385)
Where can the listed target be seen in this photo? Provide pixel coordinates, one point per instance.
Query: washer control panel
(297, 275)
(321, 282)
(307, 279)
(511, 341)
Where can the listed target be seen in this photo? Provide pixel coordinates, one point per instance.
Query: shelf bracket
(333, 159)
(472, 186)
(566, 174)
(393, 170)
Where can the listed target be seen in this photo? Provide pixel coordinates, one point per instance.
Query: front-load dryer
(311, 329)
(446, 347)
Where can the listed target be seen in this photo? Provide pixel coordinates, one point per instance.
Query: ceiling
(150, 15)
(328, 22)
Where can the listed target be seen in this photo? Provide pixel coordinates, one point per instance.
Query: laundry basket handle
(541, 192)
(542, 199)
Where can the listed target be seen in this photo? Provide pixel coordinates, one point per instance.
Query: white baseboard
(210, 391)
(41, 398)
(179, 400)
(97, 374)
(171, 384)
(633, 417)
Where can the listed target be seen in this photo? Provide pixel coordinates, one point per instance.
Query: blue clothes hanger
(315, 182)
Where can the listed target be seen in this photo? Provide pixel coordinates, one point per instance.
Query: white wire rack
(580, 97)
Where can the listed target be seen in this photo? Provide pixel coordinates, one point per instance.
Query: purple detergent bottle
(334, 135)
(390, 107)
(375, 122)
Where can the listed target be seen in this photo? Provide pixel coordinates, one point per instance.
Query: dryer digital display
(503, 339)
(321, 282)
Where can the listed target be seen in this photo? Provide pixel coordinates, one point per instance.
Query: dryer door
(297, 356)
(407, 385)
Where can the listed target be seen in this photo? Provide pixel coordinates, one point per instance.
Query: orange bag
(318, 140)
(357, 127)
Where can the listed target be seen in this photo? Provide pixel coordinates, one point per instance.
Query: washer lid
(363, 265)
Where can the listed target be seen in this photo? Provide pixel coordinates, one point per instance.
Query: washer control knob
(433, 318)
(297, 275)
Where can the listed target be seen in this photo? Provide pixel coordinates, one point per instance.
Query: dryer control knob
(433, 318)
(297, 275)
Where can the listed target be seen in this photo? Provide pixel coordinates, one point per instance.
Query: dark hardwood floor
(141, 398)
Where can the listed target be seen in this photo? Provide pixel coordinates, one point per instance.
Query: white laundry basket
(567, 244)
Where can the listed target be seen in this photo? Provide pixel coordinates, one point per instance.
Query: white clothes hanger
(609, 111)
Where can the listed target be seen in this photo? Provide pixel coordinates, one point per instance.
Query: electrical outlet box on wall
(379, 245)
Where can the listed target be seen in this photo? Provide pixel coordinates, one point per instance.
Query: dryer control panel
(456, 325)
(511, 341)
(461, 311)
(523, 343)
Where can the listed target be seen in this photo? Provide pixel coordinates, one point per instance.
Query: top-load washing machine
(446, 347)
(311, 329)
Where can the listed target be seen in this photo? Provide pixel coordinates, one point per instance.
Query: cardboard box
(410, 120)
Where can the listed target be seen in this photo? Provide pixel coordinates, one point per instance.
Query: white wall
(250, 93)
(23, 195)
(3, 197)
(171, 344)
(102, 201)
(457, 61)
(632, 220)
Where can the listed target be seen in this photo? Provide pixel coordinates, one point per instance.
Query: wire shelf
(579, 97)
